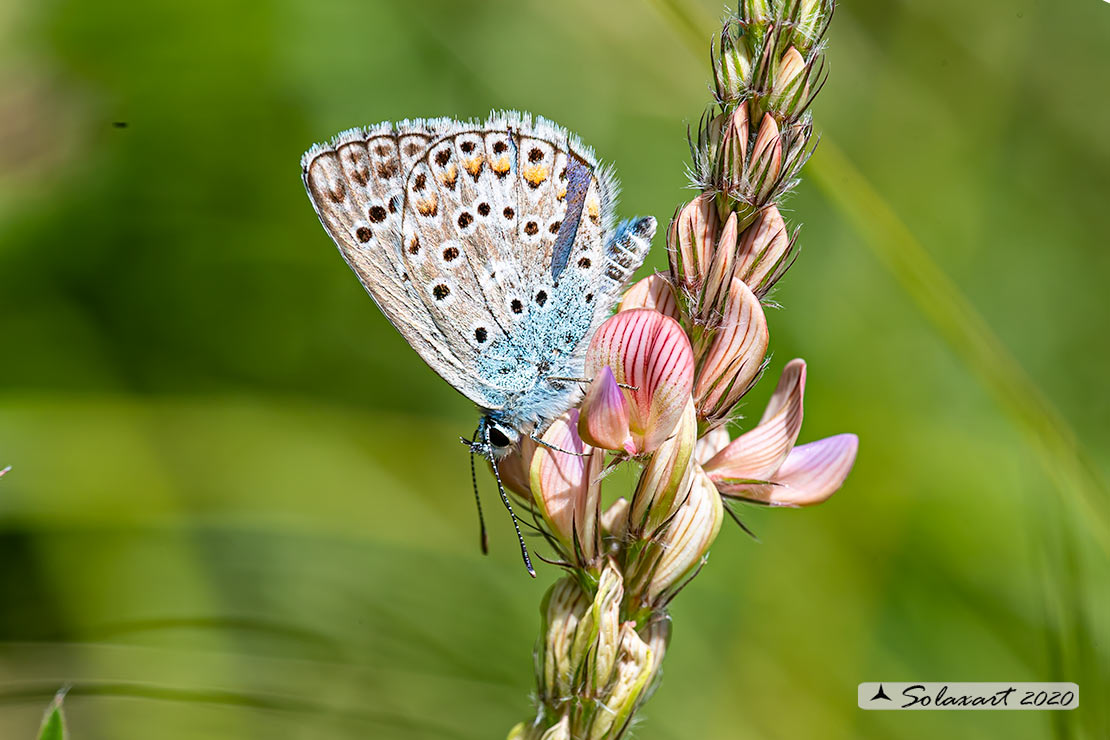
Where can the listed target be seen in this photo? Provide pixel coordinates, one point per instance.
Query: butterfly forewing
(490, 246)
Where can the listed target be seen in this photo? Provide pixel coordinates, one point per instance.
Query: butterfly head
(495, 439)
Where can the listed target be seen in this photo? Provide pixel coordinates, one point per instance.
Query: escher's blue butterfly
(491, 247)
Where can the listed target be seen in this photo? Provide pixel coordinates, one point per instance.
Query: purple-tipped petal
(653, 292)
(649, 352)
(604, 418)
(812, 472)
(566, 486)
(757, 454)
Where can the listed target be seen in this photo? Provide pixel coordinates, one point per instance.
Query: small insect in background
(492, 247)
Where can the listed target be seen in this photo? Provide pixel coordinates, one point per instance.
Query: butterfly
(491, 247)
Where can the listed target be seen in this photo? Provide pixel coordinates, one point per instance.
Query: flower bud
(563, 610)
(764, 252)
(559, 731)
(653, 292)
(766, 162)
(690, 242)
(688, 537)
(567, 488)
(650, 353)
(755, 12)
(734, 358)
(790, 78)
(734, 150)
(614, 520)
(720, 273)
(810, 18)
(607, 617)
(732, 67)
(634, 672)
(663, 476)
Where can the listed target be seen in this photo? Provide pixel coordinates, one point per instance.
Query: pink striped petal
(650, 352)
(757, 454)
(652, 292)
(812, 472)
(603, 421)
(734, 358)
(566, 486)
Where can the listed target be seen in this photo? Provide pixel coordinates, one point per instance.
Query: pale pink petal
(649, 352)
(734, 358)
(566, 486)
(757, 454)
(652, 292)
(711, 443)
(515, 468)
(812, 472)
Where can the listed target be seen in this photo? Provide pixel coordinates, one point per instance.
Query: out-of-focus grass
(238, 508)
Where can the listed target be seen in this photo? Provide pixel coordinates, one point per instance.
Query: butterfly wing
(356, 186)
(506, 232)
(488, 245)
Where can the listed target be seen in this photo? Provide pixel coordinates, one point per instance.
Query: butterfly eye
(497, 438)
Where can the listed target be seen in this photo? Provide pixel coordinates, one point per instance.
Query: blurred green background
(238, 508)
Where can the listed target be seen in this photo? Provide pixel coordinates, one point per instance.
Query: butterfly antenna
(509, 506)
(477, 499)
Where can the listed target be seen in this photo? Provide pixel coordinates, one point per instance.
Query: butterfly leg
(549, 446)
(509, 506)
(587, 381)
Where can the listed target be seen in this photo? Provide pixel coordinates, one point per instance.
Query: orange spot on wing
(534, 174)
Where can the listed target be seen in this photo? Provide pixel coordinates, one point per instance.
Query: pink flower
(648, 352)
(567, 486)
(763, 464)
